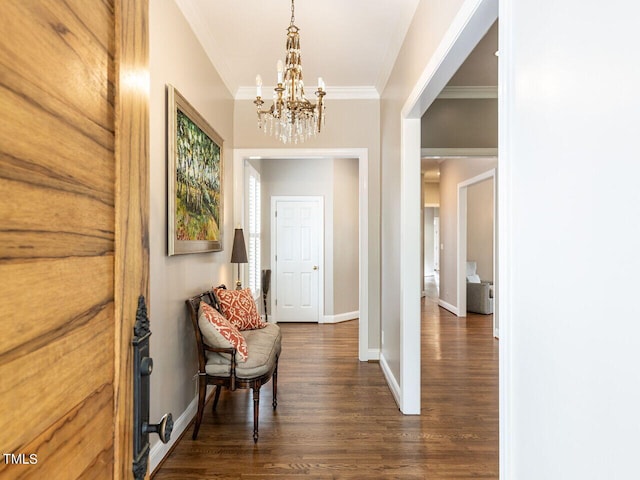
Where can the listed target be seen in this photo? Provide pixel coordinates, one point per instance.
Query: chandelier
(292, 118)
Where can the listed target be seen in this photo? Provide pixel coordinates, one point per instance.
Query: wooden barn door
(73, 232)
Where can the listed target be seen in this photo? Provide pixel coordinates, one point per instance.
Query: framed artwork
(194, 179)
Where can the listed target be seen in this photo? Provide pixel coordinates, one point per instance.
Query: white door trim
(504, 241)
(274, 236)
(410, 281)
(468, 27)
(461, 290)
(362, 154)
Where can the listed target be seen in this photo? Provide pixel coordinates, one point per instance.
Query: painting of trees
(198, 178)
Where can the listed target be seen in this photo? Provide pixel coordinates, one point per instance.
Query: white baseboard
(448, 306)
(160, 450)
(373, 354)
(341, 317)
(391, 381)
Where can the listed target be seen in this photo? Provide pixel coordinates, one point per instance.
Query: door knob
(163, 429)
(315, 267)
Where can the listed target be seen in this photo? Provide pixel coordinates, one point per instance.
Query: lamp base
(238, 285)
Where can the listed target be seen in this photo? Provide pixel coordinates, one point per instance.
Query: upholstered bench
(233, 357)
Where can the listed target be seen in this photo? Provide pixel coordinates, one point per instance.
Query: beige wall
(480, 68)
(430, 194)
(480, 213)
(336, 181)
(428, 251)
(350, 124)
(430, 22)
(345, 236)
(293, 177)
(457, 123)
(431, 197)
(453, 172)
(177, 58)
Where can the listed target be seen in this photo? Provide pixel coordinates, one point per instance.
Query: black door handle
(142, 369)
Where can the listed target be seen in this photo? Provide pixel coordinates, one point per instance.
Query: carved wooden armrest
(231, 351)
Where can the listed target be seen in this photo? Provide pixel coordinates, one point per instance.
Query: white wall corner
(447, 306)
(410, 269)
(373, 354)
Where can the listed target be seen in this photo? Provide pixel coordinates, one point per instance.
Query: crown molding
(337, 93)
(405, 18)
(457, 152)
(468, 92)
(205, 37)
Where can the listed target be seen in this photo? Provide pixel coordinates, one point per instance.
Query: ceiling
(351, 44)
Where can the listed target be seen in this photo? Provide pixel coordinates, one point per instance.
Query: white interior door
(298, 237)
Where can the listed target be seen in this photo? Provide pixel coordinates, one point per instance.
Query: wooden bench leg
(256, 411)
(202, 392)
(216, 398)
(275, 387)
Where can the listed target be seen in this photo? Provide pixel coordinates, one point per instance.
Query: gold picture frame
(194, 179)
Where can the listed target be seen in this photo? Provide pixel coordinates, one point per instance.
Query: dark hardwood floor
(336, 418)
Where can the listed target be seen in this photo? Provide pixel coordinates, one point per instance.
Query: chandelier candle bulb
(280, 68)
(258, 86)
(292, 118)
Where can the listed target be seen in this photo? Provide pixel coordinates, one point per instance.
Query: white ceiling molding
(457, 152)
(468, 92)
(405, 16)
(337, 93)
(207, 40)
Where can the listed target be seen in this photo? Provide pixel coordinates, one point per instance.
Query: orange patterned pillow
(218, 332)
(239, 308)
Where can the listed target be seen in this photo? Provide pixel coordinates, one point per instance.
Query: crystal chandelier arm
(320, 107)
(260, 111)
(279, 102)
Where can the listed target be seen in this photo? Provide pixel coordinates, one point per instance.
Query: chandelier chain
(293, 18)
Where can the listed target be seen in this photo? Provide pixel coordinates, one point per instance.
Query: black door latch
(142, 368)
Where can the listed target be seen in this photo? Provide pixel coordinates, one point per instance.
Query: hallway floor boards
(336, 418)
